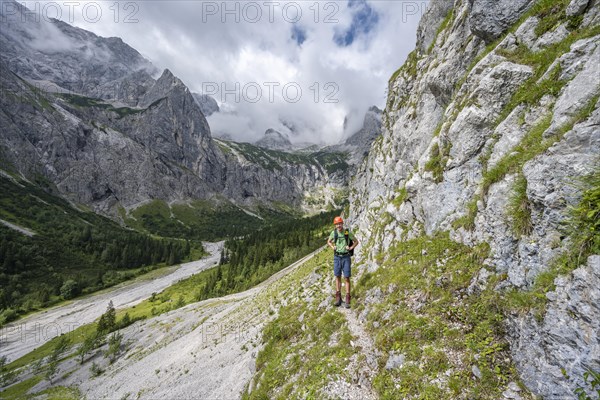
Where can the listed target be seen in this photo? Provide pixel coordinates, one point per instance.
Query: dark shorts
(341, 263)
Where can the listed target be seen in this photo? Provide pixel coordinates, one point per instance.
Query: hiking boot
(347, 300)
(338, 299)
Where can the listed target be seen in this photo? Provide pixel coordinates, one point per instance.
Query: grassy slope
(307, 345)
(197, 220)
(424, 312)
(428, 315)
(272, 159)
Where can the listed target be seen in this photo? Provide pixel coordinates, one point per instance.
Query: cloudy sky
(269, 64)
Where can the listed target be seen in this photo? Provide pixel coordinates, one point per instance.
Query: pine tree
(107, 321)
(90, 342)
(9, 262)
(60, 347)
(86, 234)
(172, 258)
(114, 347)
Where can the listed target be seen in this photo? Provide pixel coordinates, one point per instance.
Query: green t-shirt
(340, 245)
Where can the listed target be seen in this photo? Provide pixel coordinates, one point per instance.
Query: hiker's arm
(355, 240)
(330, 244)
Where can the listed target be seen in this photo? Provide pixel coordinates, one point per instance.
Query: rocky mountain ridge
(110, 135)
(487, 125)
(359, 143)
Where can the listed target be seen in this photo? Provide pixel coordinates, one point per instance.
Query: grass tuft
(438, 158)
(519, 208)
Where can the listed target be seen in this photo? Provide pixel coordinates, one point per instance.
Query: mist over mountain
(212, 52)
(208, 105)
(74, 59)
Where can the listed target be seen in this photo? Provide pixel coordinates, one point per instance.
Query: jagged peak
(167, 76)
(375, 109)
(370, 129)
(165, 84)
(274, 140)
(276, 134)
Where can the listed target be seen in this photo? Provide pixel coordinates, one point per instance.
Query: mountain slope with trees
(69, 251)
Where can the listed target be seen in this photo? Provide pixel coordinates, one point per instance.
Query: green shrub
(61, 346)
(69, 289)
(92, 341)
(7, 376)
(584, 223)
(7, 316)
(468, 221)
(96, 370)
(593, 379)
(108, 321)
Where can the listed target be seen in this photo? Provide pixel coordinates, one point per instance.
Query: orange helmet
(338, 220)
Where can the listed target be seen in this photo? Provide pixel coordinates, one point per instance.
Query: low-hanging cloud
(28, 32)
(310, 65)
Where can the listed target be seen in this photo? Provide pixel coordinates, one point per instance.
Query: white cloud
(203, 48)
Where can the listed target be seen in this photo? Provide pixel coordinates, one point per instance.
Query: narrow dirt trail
(363, 365)
(365, 369)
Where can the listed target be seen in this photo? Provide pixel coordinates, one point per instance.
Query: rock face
(312, 181)
(567, 335)
(357, 146)
(274, 140)
(490, 18)
(457, 138)
(577, 7)
(430, 22)
(103, 156)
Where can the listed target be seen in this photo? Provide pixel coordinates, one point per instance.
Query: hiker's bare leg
(347, 285)
(338, 283)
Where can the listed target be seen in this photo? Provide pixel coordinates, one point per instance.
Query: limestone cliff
(494, 112)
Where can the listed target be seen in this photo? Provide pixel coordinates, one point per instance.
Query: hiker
(343, 243)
